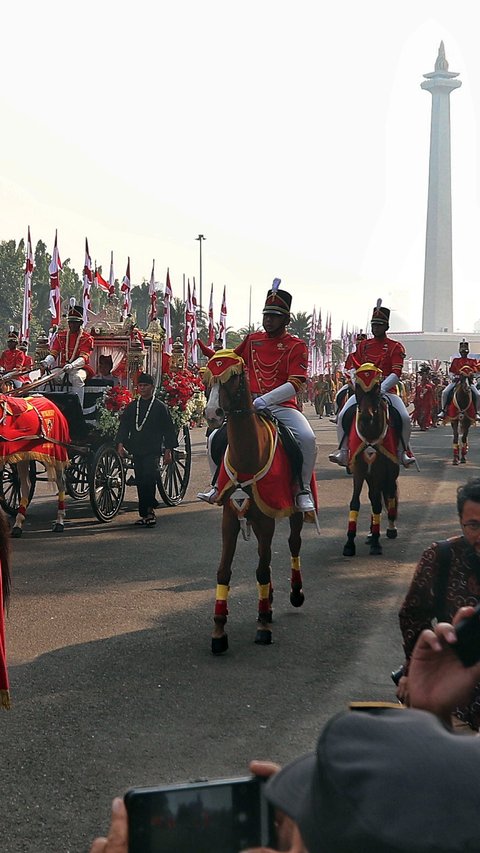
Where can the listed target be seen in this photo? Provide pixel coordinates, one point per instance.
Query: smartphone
(222, 816)
(467, 646)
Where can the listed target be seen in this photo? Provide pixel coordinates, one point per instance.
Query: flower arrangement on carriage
(109, 408)
(183, 393)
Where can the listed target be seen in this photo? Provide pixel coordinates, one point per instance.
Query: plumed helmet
(380, 313)
(277, 301)
(463, 344)
(12, 334)
(75, 312)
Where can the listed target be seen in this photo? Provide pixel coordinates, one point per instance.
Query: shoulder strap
(444, 562)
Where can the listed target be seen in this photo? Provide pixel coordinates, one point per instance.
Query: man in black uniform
(145, 426)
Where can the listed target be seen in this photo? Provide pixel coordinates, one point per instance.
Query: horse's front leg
(264, 528)
(455, 442)
(59, 523)
(349, 549)
(375, 495)
(464, 450)
(23, 475)
(295, 543)
(230, 530)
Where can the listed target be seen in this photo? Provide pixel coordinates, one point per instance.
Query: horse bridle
(234, 400)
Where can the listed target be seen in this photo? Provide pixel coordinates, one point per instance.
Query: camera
(221, 816)
(467, 646)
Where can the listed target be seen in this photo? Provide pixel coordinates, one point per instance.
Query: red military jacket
(458, 363)
(12, 359)
(67, 346)
(384, 353)
(273, 361)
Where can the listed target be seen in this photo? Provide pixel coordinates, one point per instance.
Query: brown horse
(461, 412)
(373, 459)
(251, 448)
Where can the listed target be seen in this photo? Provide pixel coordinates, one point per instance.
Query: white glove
(67, 367)
(389, 383)
(48, 361)
(259, 404)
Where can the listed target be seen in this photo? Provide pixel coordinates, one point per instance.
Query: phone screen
(206, 817)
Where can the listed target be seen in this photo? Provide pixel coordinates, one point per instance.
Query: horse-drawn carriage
(94, 469)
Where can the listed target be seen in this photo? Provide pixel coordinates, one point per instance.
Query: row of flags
(92, 276)
(320, 354)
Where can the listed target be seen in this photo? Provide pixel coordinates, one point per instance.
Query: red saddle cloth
(273, 492)
(453, 411)
(26, 424)
(386, 445)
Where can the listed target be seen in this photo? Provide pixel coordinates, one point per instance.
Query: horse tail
(5, 585)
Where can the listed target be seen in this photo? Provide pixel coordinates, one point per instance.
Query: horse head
(369, 400)
(228, 390)
(463, 391)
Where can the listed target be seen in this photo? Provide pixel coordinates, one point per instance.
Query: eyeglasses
(474, 526)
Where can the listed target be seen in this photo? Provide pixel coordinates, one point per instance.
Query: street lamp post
(200, 238)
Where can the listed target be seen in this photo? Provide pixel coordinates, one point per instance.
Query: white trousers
(451, 386)
(76, 379)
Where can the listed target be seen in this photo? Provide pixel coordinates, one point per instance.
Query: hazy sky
(293, 135)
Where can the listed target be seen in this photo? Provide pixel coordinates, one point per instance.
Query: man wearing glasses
(447, 577)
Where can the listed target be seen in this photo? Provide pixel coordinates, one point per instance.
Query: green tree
(300, 325)
(12, 265)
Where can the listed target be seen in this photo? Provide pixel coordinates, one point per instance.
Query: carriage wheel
(173, 479)
(76, 477)
(10, 487)
(106, 482)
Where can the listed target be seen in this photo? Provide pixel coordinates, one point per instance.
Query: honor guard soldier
(388, 355)
(276, 363)
(12, 358)
(71, 349)
(454, 371)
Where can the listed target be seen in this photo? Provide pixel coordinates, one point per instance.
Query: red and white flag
(101, 283)
(54, 272)
(328, 344)
(194, 335)
(87, 284)
(312, 349)
(27, 291)
(152, 291)
(111, 278)
(126, 290)
(188, 322)
(167, 317)
(211, 325)
(222, 326)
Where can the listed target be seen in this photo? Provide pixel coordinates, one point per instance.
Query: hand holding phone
(467, 646)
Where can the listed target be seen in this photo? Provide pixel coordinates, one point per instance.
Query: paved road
(112, 677)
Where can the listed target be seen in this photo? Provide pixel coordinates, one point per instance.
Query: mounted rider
(276, 364)
(454, 371)
(388, 355)
(71, 349)
(12, 358)
(349, 368)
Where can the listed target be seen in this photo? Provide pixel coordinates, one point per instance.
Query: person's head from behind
(468, 506)
(105, 364)
(384, 781)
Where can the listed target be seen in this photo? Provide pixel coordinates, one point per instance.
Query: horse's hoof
(263, 637)
(455, 462)
(219, 645)
(462, 461)
(58, 528)
(392, 532)
(349, 550)
(16, 532)
(297, 597)
(375, 550)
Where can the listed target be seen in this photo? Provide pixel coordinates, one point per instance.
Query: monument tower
(437, 289)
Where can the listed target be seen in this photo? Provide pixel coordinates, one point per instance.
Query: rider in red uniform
(388, 355)
(455, 368)
(28, 363)
(277, 369)
(71, 350)
(424, 399)
(12, 358)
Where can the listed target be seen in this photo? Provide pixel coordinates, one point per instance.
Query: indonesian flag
(126, 290)
(153, 295)
(188, 322)
(87, 284)
(167, 319)
(54, 272)
(211, 326)
(101, 283)
(111, 278)
(27, 291)
(328, 347)
(222, 328)
(312, 352)
(194, 344)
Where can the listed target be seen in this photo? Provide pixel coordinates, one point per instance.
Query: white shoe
(304, 501)
(440, 415)
(407, 458)
(340, 457)
(209, 496)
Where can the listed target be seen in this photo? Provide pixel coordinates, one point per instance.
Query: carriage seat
(69, 405)
(94, 389)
